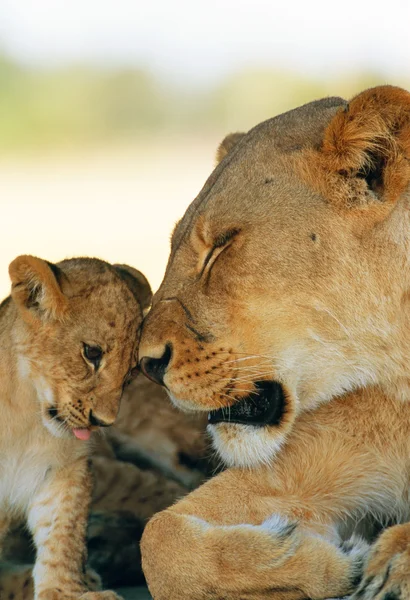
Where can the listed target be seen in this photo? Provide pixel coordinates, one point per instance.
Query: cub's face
(285, 284)
(76, 338)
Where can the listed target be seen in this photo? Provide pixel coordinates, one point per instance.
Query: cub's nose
(154, 368)
(98, 422)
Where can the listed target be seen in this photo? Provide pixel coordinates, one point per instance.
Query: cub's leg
(16, 582)
(387, 572)
(57, 518)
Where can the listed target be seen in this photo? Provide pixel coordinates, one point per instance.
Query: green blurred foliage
(86, 105)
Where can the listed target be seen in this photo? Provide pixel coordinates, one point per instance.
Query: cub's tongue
(82, 434)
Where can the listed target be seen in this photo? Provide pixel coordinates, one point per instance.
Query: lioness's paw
(387, 573)
(357, 549)
(391, 583)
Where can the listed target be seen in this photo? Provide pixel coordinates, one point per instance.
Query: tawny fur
(49, 390)
(151, 457)
(151, 433)
(292, 266)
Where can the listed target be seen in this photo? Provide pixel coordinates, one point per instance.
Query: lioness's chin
(246, 445)
(250, 431)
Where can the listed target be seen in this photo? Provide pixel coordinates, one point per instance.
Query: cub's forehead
(86, 273)
(108, 315)
(103, 299)
(91, 278)
(95, 287)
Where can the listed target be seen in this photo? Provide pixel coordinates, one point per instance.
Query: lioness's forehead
(258, 157)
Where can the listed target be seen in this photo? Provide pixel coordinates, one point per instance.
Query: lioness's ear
(227, 144)
(367, 145)
(35, 288)
(138, 284)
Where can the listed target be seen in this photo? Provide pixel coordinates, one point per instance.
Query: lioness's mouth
(264, 406)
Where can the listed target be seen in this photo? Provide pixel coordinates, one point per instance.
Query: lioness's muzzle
(264, 406)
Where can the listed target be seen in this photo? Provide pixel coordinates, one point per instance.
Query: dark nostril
(155, 368)
(97, 422)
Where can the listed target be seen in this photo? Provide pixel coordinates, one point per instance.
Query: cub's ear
(227, 144)
(367, 147)
(36, 288)
(138, 284)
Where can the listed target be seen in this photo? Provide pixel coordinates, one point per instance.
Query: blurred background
(111, 110)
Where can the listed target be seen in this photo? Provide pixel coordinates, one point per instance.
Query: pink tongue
(82, 434)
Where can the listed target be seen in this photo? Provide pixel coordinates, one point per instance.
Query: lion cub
(68, 338)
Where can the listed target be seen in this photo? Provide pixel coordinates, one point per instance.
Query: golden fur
(151, 457)
(68, 337)
(153, 434)
(286, 301)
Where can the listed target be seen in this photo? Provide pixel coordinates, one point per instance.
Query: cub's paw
(56, 594)
(108, 595)
(60, 594)
(387, 573)
(92, 580)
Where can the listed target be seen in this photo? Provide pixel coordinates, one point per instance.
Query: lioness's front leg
(57, 518)
(237, 538)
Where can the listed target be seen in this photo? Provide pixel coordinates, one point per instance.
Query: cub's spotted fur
(68, 342)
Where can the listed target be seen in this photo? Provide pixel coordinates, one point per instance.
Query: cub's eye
(94, 354)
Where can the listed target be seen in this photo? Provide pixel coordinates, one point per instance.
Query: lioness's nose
(154, 368)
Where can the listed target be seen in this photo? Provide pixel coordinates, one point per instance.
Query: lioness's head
(288, 279)
(75, 337)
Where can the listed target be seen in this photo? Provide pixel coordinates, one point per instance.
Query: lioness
(284, 313)
(68, 341)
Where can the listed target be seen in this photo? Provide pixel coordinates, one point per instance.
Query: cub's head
(75, 337)
(288, 278)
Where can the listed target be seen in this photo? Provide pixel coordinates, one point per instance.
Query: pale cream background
(120, 205)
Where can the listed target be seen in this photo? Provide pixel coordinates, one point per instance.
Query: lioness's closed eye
(68, 345)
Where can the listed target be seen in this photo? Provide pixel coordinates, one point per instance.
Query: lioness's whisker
(248, 358)
(230, 398)
(248, 376)
(251, 367)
